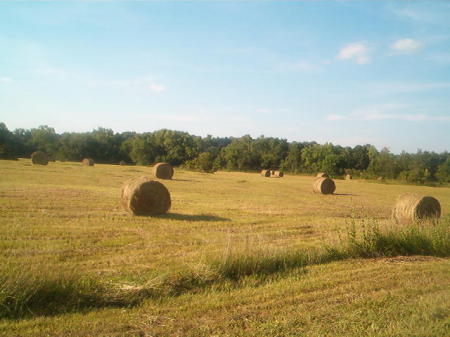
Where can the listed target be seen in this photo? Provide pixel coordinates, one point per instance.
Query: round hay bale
(348, 177)
(163, 171)
(277, 174)
(39, 158)
(144, 196)
(413, 207)
(324, 186)
(265, 173)
(88, 162)
(122, 163)
(380, 178)
(322, 175)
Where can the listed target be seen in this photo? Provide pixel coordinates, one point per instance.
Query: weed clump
(44, 291)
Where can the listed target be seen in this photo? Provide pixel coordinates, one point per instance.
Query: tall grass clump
(366, 239)
(258, 262)
(369, 240)
(42, 290)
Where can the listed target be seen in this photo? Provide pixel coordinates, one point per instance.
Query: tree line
(209, 153)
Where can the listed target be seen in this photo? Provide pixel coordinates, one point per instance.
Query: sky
(345, 72)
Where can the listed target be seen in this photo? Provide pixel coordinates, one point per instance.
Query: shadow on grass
(191, 217)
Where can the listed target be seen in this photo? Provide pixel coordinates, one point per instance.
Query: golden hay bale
(265, 173)
(413, 207)
(163, 171)
(324, 186)
(380, 178)
(144, 196)
(348, 177)
(88, 162)
(322, 175)
(122, 163)
(39, 158)
(277, 174)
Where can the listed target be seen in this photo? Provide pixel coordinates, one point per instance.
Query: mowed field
(67, 218)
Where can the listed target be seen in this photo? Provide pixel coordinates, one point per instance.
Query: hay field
(66, 217)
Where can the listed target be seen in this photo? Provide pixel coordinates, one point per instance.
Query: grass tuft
(417, 239)
(26, 291)
(369, 241)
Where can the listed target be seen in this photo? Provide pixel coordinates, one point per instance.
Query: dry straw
(411, 208)
(143, 196)
(265, 173)
(88, 162)
(277, 174)
(39, 158)
(163, 171)
(324, 186)
(322, 175)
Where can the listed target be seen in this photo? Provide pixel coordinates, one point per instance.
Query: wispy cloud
(429, 12)
(5, 79)
(406, 46)
(157, 87)
(357, 51)
(389, 111)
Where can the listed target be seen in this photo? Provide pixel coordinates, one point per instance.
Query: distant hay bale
(39, 158)
(144, 196)
(88, 162)
(413, 207)
(277, 174)
(324, 186)
(380, 178)
(163, 171)
(322, 175)
(348, 177)
(265, 173)
(122, 163)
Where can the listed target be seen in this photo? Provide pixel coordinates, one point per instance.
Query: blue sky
(346, 72)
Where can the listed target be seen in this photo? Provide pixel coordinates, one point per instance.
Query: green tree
(7, 143)
(443, 172)
(203, 163)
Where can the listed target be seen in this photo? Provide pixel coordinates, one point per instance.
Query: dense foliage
(209, 153)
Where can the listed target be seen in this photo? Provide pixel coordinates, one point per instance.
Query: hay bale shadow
(191, 217)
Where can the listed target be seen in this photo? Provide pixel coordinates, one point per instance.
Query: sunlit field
(66, 219)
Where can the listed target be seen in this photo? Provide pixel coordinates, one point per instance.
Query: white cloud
(5, 79)
(157, 87)
(357, 51)
(406, 46)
